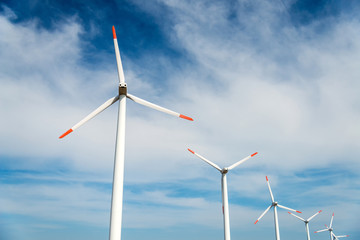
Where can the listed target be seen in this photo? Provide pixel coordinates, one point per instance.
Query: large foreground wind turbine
(330, 229)
(225, 202)
(275, 205)
(306, 222)
(118, 177)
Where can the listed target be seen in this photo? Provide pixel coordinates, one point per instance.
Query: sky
(278, 77)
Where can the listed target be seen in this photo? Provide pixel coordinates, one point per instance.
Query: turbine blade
(118, 59)
(342, 236)
(296, 216)
(241, 161)
(266, 210)
(204, 159)
(271, 195)
(331, 221)
(323, 230)
(156, 107)
(314, 215)
(332, 234)
(105, 105)
(281, 206)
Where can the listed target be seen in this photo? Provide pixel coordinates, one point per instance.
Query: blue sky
(277, 77)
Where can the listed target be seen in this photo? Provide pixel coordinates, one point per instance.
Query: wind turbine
(306, 221)
(275, 205)
(118, 177)
(330, 229)
(225, 202)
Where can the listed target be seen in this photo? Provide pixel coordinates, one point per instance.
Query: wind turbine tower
(306, 222)
(274, 205)
(118, 176)
(224, 191)
(330, 229)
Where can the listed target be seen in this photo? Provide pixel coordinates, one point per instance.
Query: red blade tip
(114, 34)
(256, 221)
(333, 214)
(320, 211)
(254, 154)
(289, 212)
(191, 151)
(66, 133)
(186, 117)
(267, 178)
(298, 212)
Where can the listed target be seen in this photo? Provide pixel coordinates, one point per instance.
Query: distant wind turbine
(306, 222)
(118, 177)
(330, 229)
(275, 205)
(225, 202)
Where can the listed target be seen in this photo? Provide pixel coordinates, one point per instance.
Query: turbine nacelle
(122, 89)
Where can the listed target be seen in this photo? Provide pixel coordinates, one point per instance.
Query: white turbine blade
(331, 221)
(156, 107)
(323, 230)
(263, 214)
(342, 236)
(107, 104)
(296, 216)
(241, 161)
(118, 58)
(332, 234)
(314, 215)
(204, 159)
(271, 195)
(281, 206)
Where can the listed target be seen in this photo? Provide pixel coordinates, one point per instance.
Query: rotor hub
(224, 170)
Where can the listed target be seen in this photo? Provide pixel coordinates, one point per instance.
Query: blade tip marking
(66, 133)
(298, 212)
(254, 154)
(191, 151)
(186, 117)
(267, 178)
(114, 33)
(256, 221)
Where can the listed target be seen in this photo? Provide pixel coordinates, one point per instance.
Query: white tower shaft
(118, 177)
(277, 232)
(307, 230)
(225, 203)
